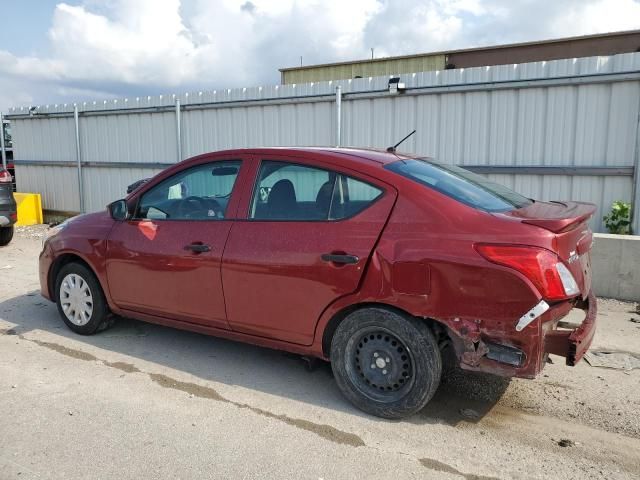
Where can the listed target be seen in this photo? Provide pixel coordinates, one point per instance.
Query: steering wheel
(189, 206)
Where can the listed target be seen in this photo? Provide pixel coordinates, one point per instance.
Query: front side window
(460, 184)
(287, 191)
(197, 193)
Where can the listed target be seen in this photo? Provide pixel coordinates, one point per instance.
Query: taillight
(5, 177)
(542, 267)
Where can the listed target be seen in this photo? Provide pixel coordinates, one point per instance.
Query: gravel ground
(31, 231)
(144, 401)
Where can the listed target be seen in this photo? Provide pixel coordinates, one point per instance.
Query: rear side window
(287, 191)
(461, 185)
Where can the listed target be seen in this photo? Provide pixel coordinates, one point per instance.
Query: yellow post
(29, 208)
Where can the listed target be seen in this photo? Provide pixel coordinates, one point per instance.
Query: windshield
(460, 184)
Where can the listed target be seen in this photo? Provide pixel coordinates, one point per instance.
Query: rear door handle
(198, 247)
(339, 258)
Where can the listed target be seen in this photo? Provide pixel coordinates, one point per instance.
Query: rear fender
(466, 324)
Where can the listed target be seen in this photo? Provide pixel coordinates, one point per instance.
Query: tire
(387, 364)
(80, 300)
(6, 234)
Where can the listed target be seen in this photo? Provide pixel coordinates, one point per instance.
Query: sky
(61, 52)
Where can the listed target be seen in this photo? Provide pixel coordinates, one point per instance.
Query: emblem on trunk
(573, 256)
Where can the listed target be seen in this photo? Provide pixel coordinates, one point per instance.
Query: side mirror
(118, 210)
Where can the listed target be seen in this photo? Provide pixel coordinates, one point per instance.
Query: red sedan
(375, 261)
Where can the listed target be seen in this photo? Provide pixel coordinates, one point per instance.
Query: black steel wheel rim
(379, 364)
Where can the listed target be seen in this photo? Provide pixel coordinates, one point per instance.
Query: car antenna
(393, 149)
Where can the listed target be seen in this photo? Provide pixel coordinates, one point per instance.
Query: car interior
(200, 193)
(308, 194)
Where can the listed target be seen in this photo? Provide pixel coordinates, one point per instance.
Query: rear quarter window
(460, 184)
(351, 196)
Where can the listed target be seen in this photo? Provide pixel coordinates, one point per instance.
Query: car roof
(379, 156)
(365, 160)
(367, 156)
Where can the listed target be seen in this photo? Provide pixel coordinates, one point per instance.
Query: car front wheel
(80, 300)
(6, 234)
(387, 364)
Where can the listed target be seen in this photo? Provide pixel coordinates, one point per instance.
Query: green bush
(619, 220)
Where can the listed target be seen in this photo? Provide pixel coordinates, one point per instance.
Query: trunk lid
(573, 237)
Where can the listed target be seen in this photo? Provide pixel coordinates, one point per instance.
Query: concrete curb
(615, 261)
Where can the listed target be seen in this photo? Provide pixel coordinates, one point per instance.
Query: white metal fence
(563, 129)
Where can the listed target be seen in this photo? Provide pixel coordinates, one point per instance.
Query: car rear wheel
(6, 234)
(387, 364)
(80, 300)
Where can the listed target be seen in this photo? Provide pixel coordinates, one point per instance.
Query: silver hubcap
(76, 299)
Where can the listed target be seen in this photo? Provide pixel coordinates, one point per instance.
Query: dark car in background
(8, 212)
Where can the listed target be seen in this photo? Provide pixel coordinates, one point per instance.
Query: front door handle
(339, 258)
(198, 248)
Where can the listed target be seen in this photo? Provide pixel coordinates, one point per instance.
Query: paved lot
(143, 401)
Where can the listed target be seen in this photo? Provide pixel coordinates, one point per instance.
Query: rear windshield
(460, 184)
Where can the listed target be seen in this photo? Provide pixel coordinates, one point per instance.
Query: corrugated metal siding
(47, 139)
(58, 186)
(552, 125)
(373, 68)
(146, 137)
(309, 124)
(104, 185)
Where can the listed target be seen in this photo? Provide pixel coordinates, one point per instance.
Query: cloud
(132, 47)
(405, 26)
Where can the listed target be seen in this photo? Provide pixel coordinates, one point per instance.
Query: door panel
(150, 270)
(275, 280)
(166, 261)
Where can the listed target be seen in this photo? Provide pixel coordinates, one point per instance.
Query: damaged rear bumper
(523, 353)
(573, 342)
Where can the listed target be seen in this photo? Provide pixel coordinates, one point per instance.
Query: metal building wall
(551, 130)
(574, 124)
